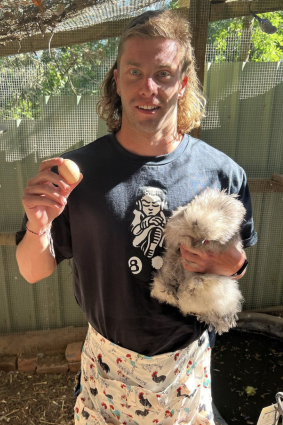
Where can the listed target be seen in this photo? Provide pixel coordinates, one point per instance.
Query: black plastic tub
(247, 368)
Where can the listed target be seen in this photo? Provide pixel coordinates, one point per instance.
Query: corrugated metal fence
(244, 120)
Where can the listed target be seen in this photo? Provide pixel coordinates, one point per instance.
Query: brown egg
(69, 171)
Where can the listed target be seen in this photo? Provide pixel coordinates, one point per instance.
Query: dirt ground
(31, 399)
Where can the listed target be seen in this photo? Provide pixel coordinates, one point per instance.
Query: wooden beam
(278, 178)
(50, 341)
(236, 9)
(272, 185)
(219, 11)
(64, 38)
(265, 186)
(69, 38)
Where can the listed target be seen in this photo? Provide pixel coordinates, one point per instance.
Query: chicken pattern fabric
(119, 386)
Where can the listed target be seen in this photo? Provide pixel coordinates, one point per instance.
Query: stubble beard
(150, 126)
(147, 125)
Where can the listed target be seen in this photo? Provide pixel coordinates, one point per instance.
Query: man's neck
(148, 144)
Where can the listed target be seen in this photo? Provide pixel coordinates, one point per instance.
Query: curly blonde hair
(153, 24)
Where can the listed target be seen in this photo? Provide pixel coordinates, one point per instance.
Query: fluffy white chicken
(212, 216)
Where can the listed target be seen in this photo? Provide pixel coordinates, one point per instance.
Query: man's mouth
(148, 107)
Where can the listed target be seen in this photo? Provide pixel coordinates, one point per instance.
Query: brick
(73, 352)
(52, 364)
(27, 363)
(7, 364)
(74, 366)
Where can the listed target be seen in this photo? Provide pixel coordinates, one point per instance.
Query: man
(142, 361)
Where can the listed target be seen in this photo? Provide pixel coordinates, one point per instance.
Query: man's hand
(45, 196)
(224, 264)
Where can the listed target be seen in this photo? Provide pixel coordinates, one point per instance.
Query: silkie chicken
(211, 222)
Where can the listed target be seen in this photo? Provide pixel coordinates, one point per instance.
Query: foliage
(69, 70)
(226, 38)
(79, 69)
(266, 48)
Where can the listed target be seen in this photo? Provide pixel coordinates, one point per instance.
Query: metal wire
(47, 106)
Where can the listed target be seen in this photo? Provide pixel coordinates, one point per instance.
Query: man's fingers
(195, 251)
(192, 262)
(189, 254)
(48, 177)
(51, 193)
(49, 163)
(31, 202)
(48, 191)
(192, 267)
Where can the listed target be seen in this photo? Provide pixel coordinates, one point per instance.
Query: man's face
(149, 83)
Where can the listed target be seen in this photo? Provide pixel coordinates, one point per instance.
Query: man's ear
(115, 75)
(182, 86)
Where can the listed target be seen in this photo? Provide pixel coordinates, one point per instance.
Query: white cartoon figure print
(149, 221)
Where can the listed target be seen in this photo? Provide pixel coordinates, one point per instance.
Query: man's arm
(45, 198)
(34, 256)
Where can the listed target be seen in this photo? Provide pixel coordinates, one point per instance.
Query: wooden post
(199, 40)
(247, 29)
(200, 35)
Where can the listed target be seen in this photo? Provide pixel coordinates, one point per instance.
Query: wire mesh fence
(48, 106)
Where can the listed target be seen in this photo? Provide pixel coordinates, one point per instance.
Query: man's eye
(164, 74)
(134, 72)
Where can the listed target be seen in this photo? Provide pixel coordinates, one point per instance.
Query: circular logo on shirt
(135, 265)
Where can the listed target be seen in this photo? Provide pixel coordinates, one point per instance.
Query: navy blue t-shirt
(113, 228)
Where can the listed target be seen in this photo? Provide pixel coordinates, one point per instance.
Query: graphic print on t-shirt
(147, 229)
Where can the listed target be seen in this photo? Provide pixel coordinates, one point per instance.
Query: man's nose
(149, 87)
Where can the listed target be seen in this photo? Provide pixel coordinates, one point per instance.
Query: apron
(120, 386)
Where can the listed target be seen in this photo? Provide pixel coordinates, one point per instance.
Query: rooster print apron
(119, 386)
